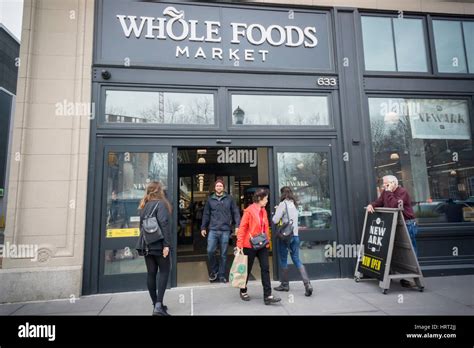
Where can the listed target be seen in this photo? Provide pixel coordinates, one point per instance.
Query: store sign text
(179, 29)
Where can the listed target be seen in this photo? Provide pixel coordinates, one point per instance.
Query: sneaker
(212, 277)
(222, 280)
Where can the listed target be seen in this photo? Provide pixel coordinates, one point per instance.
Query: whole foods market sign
(165, 34)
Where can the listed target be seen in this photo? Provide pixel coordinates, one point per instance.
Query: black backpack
(150, 228)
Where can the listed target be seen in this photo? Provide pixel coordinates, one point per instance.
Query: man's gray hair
(391, 178)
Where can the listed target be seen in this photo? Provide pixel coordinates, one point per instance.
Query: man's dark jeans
(214, 239)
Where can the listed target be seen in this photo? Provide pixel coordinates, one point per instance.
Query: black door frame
(321, 270)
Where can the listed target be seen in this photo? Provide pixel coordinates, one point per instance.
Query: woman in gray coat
(289, 203)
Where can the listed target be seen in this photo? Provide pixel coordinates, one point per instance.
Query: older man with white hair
(393, 196)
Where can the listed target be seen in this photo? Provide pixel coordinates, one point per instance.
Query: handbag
(151, 228)
(285, 229)
(259, 242)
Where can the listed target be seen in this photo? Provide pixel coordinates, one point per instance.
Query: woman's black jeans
(153, 263)
(262, 256)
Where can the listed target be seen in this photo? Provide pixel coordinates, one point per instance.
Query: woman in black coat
(157, 253)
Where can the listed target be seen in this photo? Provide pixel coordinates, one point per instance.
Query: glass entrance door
(308, 172)
(127, 171)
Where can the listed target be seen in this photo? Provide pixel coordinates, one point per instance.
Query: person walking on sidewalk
(287, 210)
(218, 212)
(394, 196)
(154, 203)
(254, 223)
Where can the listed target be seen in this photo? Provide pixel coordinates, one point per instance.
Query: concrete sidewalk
(442, 296)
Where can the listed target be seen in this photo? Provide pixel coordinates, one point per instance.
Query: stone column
(49, 153)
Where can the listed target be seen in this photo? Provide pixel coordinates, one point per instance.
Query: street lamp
(239, 115)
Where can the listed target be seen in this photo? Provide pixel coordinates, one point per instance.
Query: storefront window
(307, 175)
(159, 107)
(128, 175)
(276, 110)
(453, 40)
(468, 28)
(409, 38)
(381, 53)
(427, 145)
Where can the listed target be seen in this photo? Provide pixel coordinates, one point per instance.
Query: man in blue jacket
(219, 211)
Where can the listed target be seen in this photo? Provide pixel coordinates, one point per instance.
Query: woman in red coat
(253, 223)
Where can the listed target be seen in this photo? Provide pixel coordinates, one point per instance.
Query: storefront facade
(325, 100)
(290, 82)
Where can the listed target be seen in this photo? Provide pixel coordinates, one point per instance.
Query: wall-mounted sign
(135, 33)
(440, 119)
(237, 156)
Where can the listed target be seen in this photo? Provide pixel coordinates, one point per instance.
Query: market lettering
(237, 156)
(217, 53)
(444, 118)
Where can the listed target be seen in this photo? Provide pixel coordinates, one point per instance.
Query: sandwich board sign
(386, 251)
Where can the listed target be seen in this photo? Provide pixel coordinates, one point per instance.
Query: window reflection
(449, 46)
(123, 261)
(280, 110)
(314, 252)
(468, 28)
(427, 145)
(381, 53)
(409, 38)
(159, 107)
(129, 173)
(307, 175)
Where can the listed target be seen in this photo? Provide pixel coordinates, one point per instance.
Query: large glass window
(307, 175)
(276, 110)
(427, 145)
(159, 107)
(410, 44)
(394, 44)
(449, 46)
(468, 28)
(128, 175)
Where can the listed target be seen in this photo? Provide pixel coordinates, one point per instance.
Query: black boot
(285, 285)
(160, 310)
(162, 305)
(271, 299)
(307, 284)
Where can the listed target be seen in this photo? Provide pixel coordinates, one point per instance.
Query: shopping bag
(238, 271)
